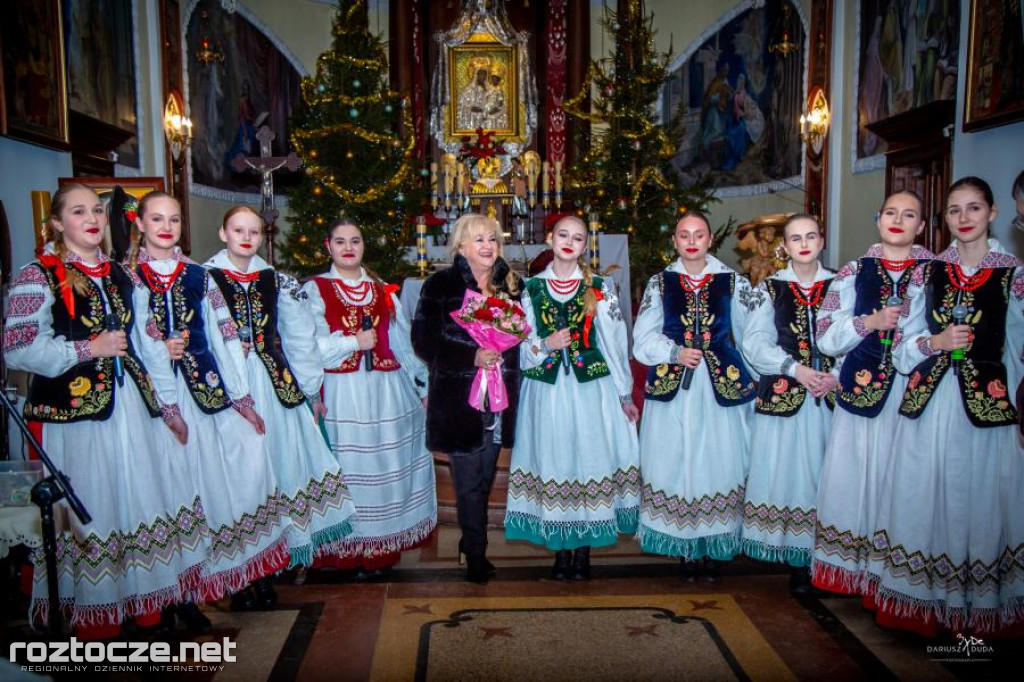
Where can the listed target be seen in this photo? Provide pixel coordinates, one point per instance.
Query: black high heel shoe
(194, 619)
(491, 569)
(688, 569)
(581, 564)
(266, 597)
(563, 559)
(476, 570)
(243, 600)
(712, 570)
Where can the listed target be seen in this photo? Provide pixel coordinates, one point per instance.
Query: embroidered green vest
(588, 362)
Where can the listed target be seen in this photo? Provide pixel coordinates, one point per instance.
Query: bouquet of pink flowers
(495, 323)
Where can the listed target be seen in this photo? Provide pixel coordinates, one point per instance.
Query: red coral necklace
(692, 284)
(97, 271)
(809, 296)
(161, 283)
(563, 287)
(966, 282)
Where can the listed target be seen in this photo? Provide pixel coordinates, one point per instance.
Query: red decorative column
(578, 58)
(555, 88)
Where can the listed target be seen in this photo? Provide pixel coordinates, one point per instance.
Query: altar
(614, 250)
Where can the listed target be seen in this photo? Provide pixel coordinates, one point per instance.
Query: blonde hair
(471, 224)
(133, 250)
(72, 277)
(589, 297)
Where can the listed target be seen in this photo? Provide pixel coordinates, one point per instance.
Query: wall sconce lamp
(815, 121)
(177, 126)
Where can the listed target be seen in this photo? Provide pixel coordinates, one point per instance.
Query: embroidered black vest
(866, 377)
(197, 366)
(86, 391)
(778, 394)
(712, 306)
(982, 377)
(587, 361)
(255, 306)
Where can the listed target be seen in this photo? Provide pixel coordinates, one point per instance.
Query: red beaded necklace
(243, 277)
(692, 284)
(967, 282)
(161, 283)
(810, 296)
(356, 293)
(897, 265)
(98, 271)
(563, 287)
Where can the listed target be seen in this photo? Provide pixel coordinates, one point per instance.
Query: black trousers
(473, 472)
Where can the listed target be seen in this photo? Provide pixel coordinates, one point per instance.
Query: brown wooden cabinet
(919, 157)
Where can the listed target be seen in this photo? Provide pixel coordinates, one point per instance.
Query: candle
(40, 216)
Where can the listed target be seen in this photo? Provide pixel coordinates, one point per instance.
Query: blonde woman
(471, 438)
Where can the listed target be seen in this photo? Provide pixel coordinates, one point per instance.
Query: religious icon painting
(484, 90)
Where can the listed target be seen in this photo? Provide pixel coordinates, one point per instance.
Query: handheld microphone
(560, 324)
(112, 323)
(245, 334)
(687, 372)
(175, 334)
(890, 302)
(959, 317)
(367, 325)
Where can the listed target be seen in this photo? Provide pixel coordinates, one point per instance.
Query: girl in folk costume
(574, 481)
(793, 408)
(93, 403)
(285, 372)
(694, 437)
(859, 323)
(950, 533)
(374, 389)
(226, 452)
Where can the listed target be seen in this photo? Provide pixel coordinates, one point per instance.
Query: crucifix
(265, 165)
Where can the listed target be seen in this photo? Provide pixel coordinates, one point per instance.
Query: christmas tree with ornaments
(624, 173)
(354, 136)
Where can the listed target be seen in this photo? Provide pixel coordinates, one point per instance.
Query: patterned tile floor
(636, 619)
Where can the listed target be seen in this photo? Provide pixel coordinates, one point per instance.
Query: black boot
(476, 569)
(491, 569)
(194, 619)
(243, 600)
(581, 564)
(560, 571)
(800, 581)
(266, 597)
(688, 569)
(712, 570)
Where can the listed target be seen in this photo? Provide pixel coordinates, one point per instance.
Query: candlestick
(558, 185)
(40, 216)
(545, 183)
(433, 185)
(421, 245)
(594, 242)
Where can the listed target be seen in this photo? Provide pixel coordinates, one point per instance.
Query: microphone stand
(45, 494)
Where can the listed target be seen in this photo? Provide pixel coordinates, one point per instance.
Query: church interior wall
(304, 26)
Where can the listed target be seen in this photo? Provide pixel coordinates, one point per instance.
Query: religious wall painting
(735, 104)
(908, 52)
(33, 98)
(995, 64)
(484, 90)
(229, 100)
(100, 47)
